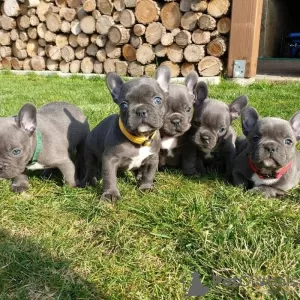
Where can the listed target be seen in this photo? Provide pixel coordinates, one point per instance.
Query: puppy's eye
(255, 139)
(16, 152)
(221, 129)
(157, 100)
(124, 105)
(196, 123)
(288, 142)
(189, 109)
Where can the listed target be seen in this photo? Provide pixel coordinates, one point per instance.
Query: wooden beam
(245, 34)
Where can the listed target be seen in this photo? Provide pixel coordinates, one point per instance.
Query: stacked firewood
(130, 37)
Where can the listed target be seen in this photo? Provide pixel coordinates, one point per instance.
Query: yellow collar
(140, 140)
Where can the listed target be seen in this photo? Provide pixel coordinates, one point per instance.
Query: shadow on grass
(28, 272)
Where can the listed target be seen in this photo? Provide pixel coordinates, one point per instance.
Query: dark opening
(279, 49)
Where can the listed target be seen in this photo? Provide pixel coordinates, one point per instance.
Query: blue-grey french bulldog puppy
(269, 161)
(39, 139)
(178, 117)
(212, 138)
(130, 140)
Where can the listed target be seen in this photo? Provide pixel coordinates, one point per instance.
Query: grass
(63, 243)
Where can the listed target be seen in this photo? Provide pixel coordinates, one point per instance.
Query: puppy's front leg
(109, 175)
(230, 155)
(189, 158)
(20, 183)
(239, 179)
(91, 167)
(148, 172)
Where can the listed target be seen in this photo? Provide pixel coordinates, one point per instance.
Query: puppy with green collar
(42, 139)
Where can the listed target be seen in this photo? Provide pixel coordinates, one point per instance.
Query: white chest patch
(208, 155)
(36, 166)
(260, 181)
(168, 143)
(136, 161)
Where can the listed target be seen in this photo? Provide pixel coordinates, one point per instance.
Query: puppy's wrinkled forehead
(142, 88)
(178, 97)
(7, 126)
(214, 112)
(10, 134)
(273, 128)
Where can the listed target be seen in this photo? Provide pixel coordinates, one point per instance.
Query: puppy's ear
(163, 77)
(237, 105)
(190, 83)
(249, 118)
(295, 123)
(201, 92)
(114, 84)
(27, 118)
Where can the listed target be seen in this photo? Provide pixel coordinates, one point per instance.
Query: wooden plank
(245, 34)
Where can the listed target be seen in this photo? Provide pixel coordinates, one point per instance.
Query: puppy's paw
(267, 192)
(20, 187)
(87, 182)
(145, 187)
(190, 172)
(111, 195)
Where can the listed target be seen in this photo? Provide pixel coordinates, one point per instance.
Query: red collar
(273, 175)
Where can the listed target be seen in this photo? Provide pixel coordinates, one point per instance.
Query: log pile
(130, 37)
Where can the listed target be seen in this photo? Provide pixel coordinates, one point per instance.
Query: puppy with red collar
(269, 163)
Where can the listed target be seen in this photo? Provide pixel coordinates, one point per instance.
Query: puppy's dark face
(179, 113)
(271, 141)
(210, 124)
(16, 142)
(180, 107)
(212, 118)
(142, 101)
(142, 106)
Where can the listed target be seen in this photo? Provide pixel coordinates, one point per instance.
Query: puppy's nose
(141, 113)
(176, 122)
(1, 168)
(270, 147)
(205, 138)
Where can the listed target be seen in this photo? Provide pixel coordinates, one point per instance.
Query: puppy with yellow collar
(130, 140)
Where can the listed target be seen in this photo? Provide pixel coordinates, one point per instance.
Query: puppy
(179, 113)
(40, 139)
(212, 138)
(130, 140)
(270, 162)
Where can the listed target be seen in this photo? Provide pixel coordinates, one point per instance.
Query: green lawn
(63, 243)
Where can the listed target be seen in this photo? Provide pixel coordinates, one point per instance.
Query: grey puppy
(130, 141)
(212, 138)
(40, 139)
(270, 162)
(179, 113)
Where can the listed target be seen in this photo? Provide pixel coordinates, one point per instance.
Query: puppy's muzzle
(141, 113)
(270, 147)
(3, 167)
(205, 139)
(176, 122)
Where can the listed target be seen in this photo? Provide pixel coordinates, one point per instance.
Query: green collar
(38, 147)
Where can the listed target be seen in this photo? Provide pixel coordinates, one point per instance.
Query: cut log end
(146, 11)
(174, 68)
(210, 66)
